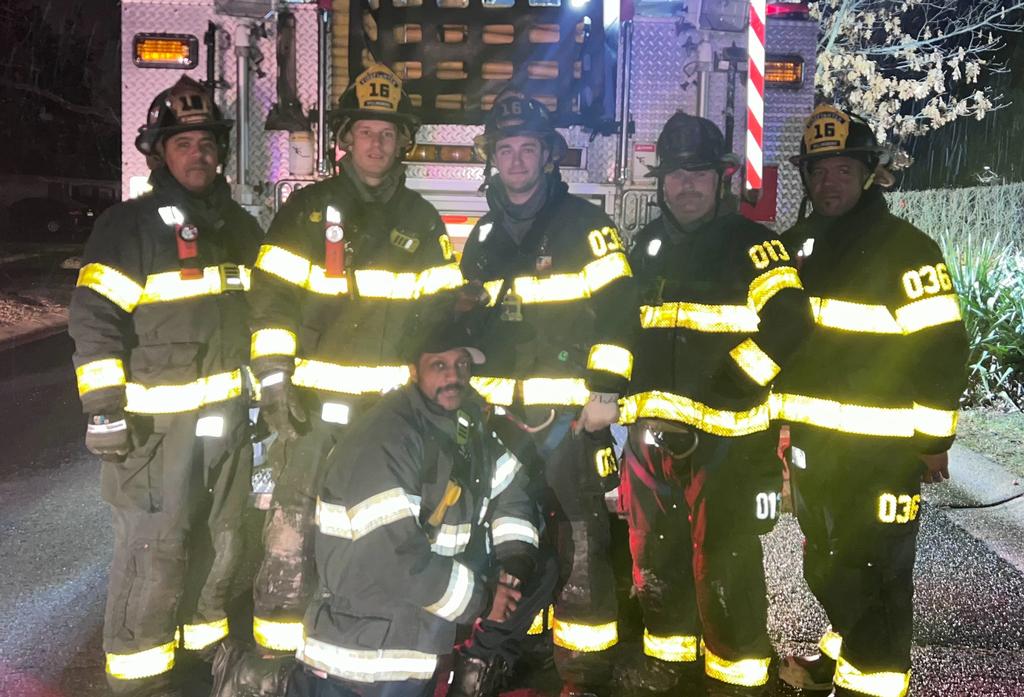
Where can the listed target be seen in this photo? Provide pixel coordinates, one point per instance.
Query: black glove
(108, 436)
(280, 407)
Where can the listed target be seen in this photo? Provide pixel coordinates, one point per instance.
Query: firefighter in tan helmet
(872, 400)
(160, 323)
(343, 269)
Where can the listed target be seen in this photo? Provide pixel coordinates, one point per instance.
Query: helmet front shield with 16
(831, 132)
(187, 106)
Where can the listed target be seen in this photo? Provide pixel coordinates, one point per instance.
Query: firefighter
(559, 290)
(414, 512)
(159, 320)
(871, 400)
(343, 268)
(722, 311)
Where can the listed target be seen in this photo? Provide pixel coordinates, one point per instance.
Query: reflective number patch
(604, 240)
(767, 505)
(898, 509)
(927, 280)
(767, 252)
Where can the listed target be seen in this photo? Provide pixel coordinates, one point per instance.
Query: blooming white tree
(911, 66)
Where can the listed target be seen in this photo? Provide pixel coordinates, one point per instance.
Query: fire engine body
(691, 56)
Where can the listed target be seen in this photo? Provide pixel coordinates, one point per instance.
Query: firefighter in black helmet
(344, 267)
(871, 398)
(558, 287)
(160, 324)
(722, 311)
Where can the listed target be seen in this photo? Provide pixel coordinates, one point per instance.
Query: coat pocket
(165, 364)
(362, 631)
(137, 482)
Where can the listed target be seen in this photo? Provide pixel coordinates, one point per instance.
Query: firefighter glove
(108, 436)
(601, 411)
(280, 406)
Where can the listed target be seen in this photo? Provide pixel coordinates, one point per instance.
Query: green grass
(997, 436)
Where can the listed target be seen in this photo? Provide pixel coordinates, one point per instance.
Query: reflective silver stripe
(361, 665)
(507, 529)
(505, 470)
(452, 539)
(456, 596)
(366, 516)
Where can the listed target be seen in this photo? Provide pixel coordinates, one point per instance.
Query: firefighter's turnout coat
(160, 324)
(561, 323)
(343, 326)
(393, 583)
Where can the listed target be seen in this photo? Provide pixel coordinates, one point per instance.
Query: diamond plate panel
(268, 150)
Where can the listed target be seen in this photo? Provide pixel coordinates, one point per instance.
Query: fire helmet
(376, 94)
(692, 143)
(187, 106)
(515, 114)
(831, 132)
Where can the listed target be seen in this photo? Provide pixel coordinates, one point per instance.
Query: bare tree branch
(104, 113)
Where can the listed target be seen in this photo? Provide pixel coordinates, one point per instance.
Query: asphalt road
(55, 547)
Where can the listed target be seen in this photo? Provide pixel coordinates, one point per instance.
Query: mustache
(454, 387)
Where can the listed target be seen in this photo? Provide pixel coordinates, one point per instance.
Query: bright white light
(578, 4)
(611, 12)
(210, 427)
(335, 413)
(653, 247)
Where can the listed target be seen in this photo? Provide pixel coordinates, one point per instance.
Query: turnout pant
(177, 501)
(698, 568)
(858, 502)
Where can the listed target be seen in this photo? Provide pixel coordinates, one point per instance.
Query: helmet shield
(693, 143)
(376, 94)
(186, 106)
(831, 132)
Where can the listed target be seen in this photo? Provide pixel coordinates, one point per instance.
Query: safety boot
(476, 677)
(808, 672)
(240, 670)
(646, 676)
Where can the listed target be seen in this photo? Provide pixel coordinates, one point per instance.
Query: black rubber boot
(475, 677)
(808, 672)
(240, 670)
(645, 676)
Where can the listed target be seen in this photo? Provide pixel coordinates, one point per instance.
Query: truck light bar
(784, 71)
(165, 51)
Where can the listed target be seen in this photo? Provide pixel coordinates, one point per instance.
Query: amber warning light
(165, 51)
(784, 71)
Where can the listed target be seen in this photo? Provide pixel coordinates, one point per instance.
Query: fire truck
(611, 71)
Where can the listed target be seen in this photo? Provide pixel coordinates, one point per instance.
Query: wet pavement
(55, 547)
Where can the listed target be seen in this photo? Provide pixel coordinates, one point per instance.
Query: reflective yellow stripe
(563, 287)
(367, 665)
(882, 684)
(378, 283)
(830, 644)
(584, 637)
(755, 362)
(847, 418)
(678, 648)
(95, 375)
(174, 399)
(111, 284)
(318, 282)
(254, 384)
(360, 520)
(283, 264)
(457, 595)
(665, 405)
(765, 286)
(438, 278)
(273, 342)
(562, 391)
(170, 286)
(854, 317)
(929, 312)
(701, 318)
(611, 358)
(537, 626)
(277, 636)
(940, 423)
(747, 672)
(349, 379)
(142, 664)
(499, 391)
(508, 529)
(199, 636)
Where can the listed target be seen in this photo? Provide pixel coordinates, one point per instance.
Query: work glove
(601, 411)
(280, 406)
(108, 436)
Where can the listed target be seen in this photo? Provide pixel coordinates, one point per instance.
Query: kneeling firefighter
(723, 308)
(160, 323)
